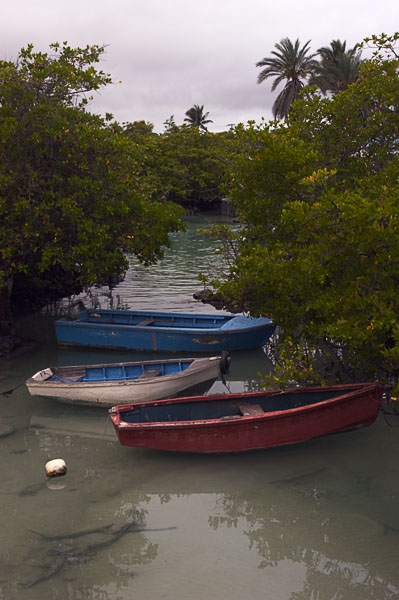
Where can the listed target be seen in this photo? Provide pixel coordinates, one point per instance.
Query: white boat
(119, 383)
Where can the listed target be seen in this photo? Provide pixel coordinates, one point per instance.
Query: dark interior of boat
(225, 408)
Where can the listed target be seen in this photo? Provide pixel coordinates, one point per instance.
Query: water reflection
(59, 554)
(314, 535)
(70, 537)
(315, 521)
(176, 275)
(307, 521)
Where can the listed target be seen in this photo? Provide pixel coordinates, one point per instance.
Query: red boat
(246, 421)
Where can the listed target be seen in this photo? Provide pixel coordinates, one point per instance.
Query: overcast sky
(171, 54)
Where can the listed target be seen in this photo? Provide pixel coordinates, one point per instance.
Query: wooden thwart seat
(149, 373)
(146, 322)
(71, 376)
(250, 409)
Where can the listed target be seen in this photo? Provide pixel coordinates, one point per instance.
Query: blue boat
(163, 331)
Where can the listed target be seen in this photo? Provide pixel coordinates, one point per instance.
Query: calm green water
(315, 521)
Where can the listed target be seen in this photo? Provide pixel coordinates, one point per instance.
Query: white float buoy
(56, 467)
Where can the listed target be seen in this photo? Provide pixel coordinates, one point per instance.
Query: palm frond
(291, 63)
(196, 117)
(338, 67)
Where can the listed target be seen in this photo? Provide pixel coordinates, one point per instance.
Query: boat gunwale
(358, 390)
(225, 317)
(168, 328)
(149, 313)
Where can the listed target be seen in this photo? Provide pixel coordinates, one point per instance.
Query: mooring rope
(385, 413)
(224, 382)
(101, 440)
(8, 393)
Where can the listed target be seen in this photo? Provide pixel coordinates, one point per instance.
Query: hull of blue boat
(250, 333)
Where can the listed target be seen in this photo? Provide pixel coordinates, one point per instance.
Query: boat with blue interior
(113, 383)
(163, 331)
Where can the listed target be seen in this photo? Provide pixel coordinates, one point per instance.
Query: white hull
(110, 393)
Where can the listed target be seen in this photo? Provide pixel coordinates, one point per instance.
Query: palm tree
(337, 68)
(197, 118)
(291, 64)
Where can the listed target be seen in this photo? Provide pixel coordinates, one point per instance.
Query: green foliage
(290, 64)
(138, 130)
(196, 117)
(384, 45)
(337, 68)
(183, 164)
(187, 166)
(295, 67)
(70, 192)
(318, 248)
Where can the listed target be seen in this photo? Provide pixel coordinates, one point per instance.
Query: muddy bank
(217, 301)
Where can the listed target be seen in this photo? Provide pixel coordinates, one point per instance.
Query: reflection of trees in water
(79, 540)
(84, 563)
(336, 580)
(345, 558)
